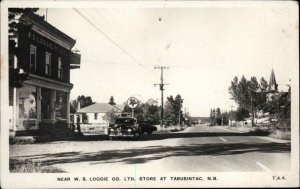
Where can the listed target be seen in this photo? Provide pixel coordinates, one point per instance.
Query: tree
(177, 109)
(169, 113)
(148, 111)
(112, 101)
(13, 18)
(173, 110)
(152, 114)
(13, 15)
(225, 116)
(212, 117)
(248, 94)
(263, 85)
(241, 113)
(110, 116)
(83, 100)
(218, 117)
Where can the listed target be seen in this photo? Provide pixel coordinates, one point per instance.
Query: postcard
(149, 94)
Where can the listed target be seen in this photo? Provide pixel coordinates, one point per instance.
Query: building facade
(45, 54)
(94, 114)
(94, 118)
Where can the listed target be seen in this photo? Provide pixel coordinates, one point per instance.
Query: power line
(115, 63)
(106, 36)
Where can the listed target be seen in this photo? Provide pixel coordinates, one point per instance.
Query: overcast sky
(204, 49)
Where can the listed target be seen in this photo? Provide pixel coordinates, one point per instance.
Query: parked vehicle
(124, 127)
(147, 128)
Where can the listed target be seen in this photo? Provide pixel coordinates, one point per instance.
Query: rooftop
(101, 108)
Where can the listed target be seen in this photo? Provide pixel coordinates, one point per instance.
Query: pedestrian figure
(78, 125)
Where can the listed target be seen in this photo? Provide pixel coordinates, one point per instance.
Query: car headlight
(111, 129)
(129, 130)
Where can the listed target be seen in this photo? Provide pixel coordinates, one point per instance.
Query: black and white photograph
(156, 94)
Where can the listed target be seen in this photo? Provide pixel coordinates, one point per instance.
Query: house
(39, 76)
(93, 117)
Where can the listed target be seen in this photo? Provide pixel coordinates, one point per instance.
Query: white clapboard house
(92, 118)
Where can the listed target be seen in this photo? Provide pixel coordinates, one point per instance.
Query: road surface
(196, 149)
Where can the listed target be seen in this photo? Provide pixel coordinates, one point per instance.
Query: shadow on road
(159, 136)
(150, 153)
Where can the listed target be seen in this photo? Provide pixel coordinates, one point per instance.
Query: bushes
(281, 134)
(29, 166)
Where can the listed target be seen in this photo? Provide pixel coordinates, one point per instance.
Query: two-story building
(45, 54)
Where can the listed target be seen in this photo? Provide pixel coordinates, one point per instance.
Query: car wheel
(136, 136)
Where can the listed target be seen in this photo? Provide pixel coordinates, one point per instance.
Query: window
(96, 116)
(32, 57)
(48, 64)
(27, 102)
(61, 105)
(59, 71)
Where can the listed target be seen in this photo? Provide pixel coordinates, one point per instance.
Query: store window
(61, 105)
(59, 71)
(27, 102)
(48, 64)
(32, 57)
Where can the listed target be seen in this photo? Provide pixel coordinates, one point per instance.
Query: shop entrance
(46, 104)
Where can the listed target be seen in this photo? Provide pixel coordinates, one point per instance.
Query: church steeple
(272, 83)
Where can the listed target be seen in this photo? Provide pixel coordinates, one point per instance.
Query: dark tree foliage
(173, 110)
(241, 113)
(112, 101)
(148, 112)
(250, 95)
(13, 16)
(83, 100)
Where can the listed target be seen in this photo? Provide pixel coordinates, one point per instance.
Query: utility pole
(222, 118)
(181, 100)
(161, 88)
(252, 115)
(231, 115)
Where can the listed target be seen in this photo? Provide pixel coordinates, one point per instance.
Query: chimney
(78, 106)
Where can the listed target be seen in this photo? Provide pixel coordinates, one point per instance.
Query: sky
(204, 48)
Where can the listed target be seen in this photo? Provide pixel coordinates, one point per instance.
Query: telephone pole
(161, 88)
(180, 104)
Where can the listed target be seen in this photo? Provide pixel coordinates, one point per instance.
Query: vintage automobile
(147, 128)
(124, 127)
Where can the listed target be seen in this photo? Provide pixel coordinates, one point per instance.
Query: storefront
(42, 101)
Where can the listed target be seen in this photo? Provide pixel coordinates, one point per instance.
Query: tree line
(148, 111)
(219, 118)
(253, 96)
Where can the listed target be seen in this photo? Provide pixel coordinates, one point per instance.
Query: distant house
(94, 113)
(199, 119)
(91, 117)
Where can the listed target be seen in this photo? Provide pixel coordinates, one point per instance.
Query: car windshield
(125, 121)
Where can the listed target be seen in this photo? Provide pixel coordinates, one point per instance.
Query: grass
(281, 134)
(266, 131)
(29, 166)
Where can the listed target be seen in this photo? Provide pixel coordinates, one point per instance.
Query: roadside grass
(29, 166)
(280, 134)
(260, 131)
(265, 131)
